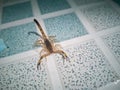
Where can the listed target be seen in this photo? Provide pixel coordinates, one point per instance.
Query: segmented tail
(40, 28)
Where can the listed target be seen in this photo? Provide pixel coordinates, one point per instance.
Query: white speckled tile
(113, 42)
(88, 67)
(23, 75)
(102, 16)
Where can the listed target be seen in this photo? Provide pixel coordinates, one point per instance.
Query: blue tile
(17, 39)
(47, 6)
(65, 27)
(16, 12)
(2, 45)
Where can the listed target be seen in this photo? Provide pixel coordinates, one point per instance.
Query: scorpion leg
(40, 60)
(43, 52)
(64, 55)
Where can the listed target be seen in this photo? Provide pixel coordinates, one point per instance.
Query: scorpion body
(48, 45)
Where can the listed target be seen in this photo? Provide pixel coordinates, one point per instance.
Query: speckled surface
(24, 75)
(83, 2)
(17, 39)
(102, 16)
(65, 27)
(16, 12)
(113, 42)
(88, 67)
(48, 6)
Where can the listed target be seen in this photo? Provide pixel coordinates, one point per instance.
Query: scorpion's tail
(40, 28)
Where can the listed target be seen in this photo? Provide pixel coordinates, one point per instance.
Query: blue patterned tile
(2, 45)
(88, 68)
(113, 42)
(65, 27)
(16, 12)
(17, 39)
(102, 16)
(83, 2)
(23, 75)
(47, 6)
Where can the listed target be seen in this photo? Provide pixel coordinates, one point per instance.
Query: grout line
(108, 31)
(54, 76)
(72, 4)
(85, 22)
(109, 56)
(16, 2)
(16, 23)
(36, 13)
(35, 8)
(18, 56)
(57, 13)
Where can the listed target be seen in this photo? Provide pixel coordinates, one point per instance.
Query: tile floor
(88, 30)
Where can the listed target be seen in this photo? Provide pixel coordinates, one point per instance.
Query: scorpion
(47, 44)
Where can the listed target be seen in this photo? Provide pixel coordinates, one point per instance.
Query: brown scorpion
(47, 44)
